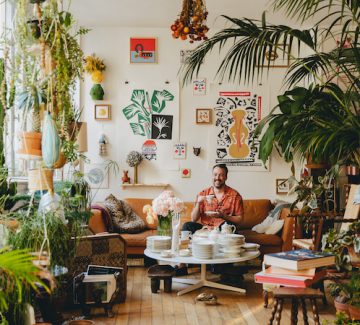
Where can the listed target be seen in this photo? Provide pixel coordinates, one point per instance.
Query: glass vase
(164, 227)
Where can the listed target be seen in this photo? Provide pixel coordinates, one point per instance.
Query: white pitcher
(227, 229)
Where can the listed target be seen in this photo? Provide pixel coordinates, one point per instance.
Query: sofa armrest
(96, 222)
(288, 228)
(107, 249)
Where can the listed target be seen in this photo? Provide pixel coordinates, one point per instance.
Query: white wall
(112, 44)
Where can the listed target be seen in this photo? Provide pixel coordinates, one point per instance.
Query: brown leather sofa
(255, 212)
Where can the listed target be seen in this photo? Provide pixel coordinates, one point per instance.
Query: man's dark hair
(223, 167)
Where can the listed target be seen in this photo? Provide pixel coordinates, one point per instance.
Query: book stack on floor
(297, 268)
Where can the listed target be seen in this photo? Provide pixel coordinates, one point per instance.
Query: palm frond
(252, 42)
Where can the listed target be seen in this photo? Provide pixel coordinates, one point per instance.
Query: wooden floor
(143, 307)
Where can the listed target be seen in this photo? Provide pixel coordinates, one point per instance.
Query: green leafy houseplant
(340, 243)
(323, 115)
(17, 276)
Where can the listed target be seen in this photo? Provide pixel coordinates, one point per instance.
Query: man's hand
(200, 198)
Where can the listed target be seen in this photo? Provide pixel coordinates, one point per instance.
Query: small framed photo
(277, 58)
(103, 112)
(282, 186)
(203, 116)
(199, 87)
(143, 50)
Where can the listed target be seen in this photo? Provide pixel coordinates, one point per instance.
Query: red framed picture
(143, 50)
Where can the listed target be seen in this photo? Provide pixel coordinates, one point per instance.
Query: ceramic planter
(30, 143)
(341, 307)
(354, 257)
(354, 312)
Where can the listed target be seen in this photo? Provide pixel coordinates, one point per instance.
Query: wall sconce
(103, 145)
(196, 151)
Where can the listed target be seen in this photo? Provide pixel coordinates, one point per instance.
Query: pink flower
(167, 202)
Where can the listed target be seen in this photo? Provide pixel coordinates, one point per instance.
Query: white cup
(209, 198)
(185, 235)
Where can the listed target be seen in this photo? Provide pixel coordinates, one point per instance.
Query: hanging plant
(95, 66)
(192, 21)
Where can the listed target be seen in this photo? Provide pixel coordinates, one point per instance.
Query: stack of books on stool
(297, 268)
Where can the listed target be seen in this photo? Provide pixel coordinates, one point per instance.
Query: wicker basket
(41, 179)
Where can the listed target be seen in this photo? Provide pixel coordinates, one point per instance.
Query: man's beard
(220, 185)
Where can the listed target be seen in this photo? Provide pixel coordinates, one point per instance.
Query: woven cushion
(124, 219)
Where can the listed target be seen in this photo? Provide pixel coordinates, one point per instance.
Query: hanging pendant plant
(192, 21)
(50, 142)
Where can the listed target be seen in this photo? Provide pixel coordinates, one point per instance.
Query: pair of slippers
(208, 298)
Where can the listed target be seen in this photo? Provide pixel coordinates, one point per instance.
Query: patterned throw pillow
(124, 219)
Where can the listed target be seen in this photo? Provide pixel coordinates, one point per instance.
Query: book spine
(282, 281)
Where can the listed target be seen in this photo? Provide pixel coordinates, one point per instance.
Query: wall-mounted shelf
(146, 185)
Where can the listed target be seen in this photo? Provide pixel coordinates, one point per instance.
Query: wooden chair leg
(315, 311)
(273, 312)
(266, 298)
(304, 311)
(279, 311)
(294, 311)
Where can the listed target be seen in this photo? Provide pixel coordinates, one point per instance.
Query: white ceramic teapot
(214, 234)
(227, 229)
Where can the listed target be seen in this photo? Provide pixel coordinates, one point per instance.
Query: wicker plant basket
(41, 179)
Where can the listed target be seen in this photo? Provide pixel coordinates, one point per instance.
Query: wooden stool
(161, 272)
(296, 295)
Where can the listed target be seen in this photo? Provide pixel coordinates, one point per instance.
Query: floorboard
(144, 308)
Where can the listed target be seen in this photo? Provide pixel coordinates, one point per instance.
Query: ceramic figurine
(125, 178)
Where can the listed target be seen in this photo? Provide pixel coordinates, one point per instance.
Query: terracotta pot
(30, 143)
(41, 179)
(354, 257)
(354, 312)
(61, 161)
(342, 307)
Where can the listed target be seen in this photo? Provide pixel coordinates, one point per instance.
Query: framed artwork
(143, 50)
(180, 150)
(185, 173)
(282, 186)
(199, 87)
(97, 176)
(277, 58)
(203, 116)
(103, 112)
(185, 55)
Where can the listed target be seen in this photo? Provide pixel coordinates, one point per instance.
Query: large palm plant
(17, 275)
(322, 120)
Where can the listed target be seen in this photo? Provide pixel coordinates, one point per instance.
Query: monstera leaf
(131, 110)
(159, 99)
(137, 128)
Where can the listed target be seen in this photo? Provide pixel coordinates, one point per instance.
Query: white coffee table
(203, 282)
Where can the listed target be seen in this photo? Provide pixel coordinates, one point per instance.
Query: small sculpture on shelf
(125, 178)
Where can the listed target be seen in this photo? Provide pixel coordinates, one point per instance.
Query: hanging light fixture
(192, 21)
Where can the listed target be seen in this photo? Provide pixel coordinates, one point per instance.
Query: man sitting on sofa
(217, 204)
(213, 207)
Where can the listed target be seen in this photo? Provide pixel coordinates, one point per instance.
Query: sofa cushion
(138, 240)
(124, 219)
(255, 211)
(137, 205)
(261, 239)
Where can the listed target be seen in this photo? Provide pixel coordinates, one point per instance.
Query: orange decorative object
(192, 21)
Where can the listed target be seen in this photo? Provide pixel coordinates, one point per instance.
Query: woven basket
(41, 179)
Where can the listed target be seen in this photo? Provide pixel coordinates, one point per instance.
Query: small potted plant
(133, 159)
(95, 67)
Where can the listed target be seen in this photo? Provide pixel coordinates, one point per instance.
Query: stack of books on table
(298, 268)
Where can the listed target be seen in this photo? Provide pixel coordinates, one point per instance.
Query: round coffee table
(203, 282)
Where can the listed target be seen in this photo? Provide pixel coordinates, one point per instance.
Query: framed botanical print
(282, 186)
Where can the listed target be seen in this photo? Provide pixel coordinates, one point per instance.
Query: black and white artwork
(161, 127)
